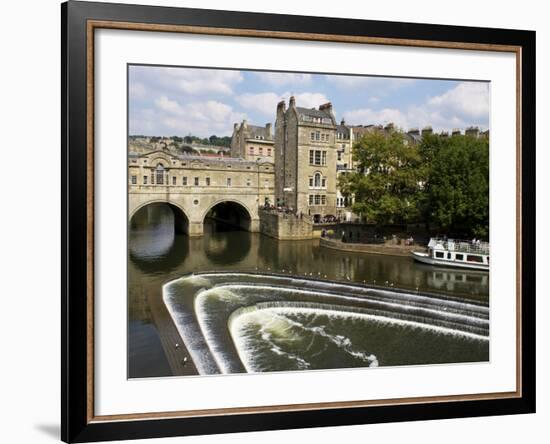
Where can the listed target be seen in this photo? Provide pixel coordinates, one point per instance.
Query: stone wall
(284, 227)
(392, 250)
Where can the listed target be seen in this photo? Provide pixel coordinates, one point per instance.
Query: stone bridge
(197, 187)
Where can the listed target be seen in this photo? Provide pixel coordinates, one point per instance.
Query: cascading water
(235, 322)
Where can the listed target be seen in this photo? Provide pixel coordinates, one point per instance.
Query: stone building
(252, 142)
(305, 159)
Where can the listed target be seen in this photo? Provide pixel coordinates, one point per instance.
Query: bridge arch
(232, 212)
(181, 219)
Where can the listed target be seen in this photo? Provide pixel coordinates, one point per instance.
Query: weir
(210, 310)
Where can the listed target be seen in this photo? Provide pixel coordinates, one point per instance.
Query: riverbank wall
(285, 226)
(391, 250)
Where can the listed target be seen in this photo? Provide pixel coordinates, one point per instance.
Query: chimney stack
(326, 107)
(268, 130)
(427, 130)
(292, 102)
(473, 131)
(456, 132)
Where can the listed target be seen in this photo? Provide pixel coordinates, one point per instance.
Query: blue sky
(179, 101)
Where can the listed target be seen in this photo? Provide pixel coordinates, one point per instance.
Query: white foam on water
(222, 294)
(451, 301)
(404, 306)
(340, 341)
(237, 327)
(197, 355)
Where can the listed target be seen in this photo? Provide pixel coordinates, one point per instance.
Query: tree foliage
(443, 181)
(457, 184)
(386, 183)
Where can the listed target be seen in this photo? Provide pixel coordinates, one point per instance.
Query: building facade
(305, 159)
(252, 142)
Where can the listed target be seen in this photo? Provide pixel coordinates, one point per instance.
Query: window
(339, 155)
(311, 182)
(269, 151)
(208, 181)
(317, 135)
(311, 154)
(474, 258)
(196, 181)
(311, 199)
(317, 199)
(322, 137)
(184, 181)
(174, 180)
(439, 254)
(229, 181)
(323, 199)
(324, 182)
(160, 174)
(312, 135)
(459, 257)
(248, 182)
(134, 180)
(144, 180)
(317, 180)
(317, 157)
(261, 149)
(324, 161)
(251, 150)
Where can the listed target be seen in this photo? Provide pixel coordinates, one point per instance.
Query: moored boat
(455, 253)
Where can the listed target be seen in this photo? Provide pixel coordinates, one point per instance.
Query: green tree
(457, 185)
(388, 179)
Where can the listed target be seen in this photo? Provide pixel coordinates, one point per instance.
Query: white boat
(455, 253)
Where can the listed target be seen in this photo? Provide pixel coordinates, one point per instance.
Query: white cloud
(137, 90)
(266, 103)
(465, 105)
(310, 100)
(170, 106)
(283, 78)
(193, 81)
(198, 118)
(469, 99)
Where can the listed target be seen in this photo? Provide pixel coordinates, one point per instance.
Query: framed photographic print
(277, 221)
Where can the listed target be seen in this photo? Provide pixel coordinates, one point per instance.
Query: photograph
(305, 221)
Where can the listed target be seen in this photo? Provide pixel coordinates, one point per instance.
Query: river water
(291, 305)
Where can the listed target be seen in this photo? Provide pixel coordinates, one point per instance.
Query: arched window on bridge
(159, 172)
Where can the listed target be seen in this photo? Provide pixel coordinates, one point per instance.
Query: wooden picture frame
(79, 22)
